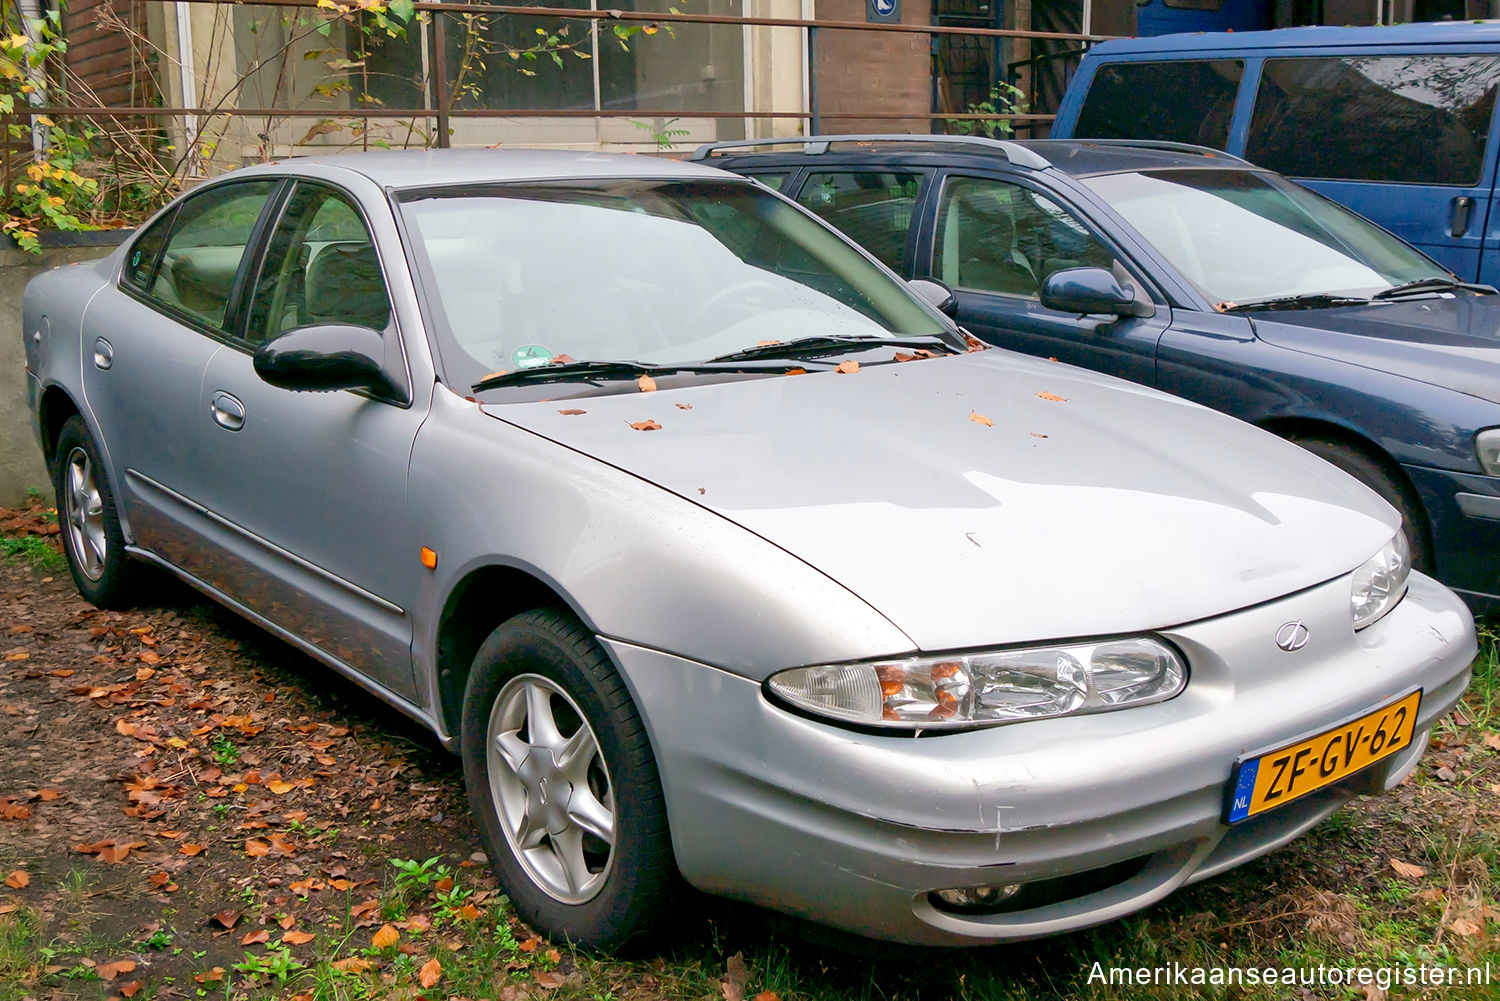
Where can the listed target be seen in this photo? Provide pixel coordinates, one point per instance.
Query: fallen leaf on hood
(979, 418)
(796, 371)
(1044, 395)
(766, 344)
(430, 973)
(847, 367)
(645, 425)
(1037, 434)
(572, 412)
(683, 406)
(647, 385)
(1407, 870)
(18, 880)
(109, 971)
(561, 360)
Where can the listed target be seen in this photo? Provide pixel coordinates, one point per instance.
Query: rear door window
(1418, 119)
(1182, 100)
(197, 269)
(874, 208)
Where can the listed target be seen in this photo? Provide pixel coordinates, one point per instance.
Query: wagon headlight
(988, 688)
(1487, 447)
(1380, 582)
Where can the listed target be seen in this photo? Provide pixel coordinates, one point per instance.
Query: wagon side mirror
(1093, 290)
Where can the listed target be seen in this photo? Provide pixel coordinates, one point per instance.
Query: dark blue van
(1397, 122)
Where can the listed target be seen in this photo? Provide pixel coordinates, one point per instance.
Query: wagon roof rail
(1016, 153)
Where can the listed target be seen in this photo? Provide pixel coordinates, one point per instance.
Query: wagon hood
(1088, 505)
(1450, 341)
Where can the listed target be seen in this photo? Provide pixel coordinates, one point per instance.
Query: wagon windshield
(651, 271)
(1246, 236)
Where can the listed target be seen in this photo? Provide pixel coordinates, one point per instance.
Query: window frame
(233, 313)
(1137, 272)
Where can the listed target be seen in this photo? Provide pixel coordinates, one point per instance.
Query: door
(873, 207)
(310, 487)
(1402, 139)
(146, 343)
(995, 244)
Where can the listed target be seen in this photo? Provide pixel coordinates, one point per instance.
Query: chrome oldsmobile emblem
(1292, 636)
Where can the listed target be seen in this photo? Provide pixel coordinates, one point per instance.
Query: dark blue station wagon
(1194, 272)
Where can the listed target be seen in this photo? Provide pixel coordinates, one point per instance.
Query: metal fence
(439, 107)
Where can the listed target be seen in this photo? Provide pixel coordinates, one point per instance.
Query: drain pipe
(31, 17)
(186, 79)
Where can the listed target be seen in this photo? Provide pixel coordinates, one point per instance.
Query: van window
(1420, 119)
(1184, 100)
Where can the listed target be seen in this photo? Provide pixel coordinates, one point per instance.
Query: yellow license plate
(1267, 780)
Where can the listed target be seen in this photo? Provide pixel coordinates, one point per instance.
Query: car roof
(1206, 43)
(1077, 157)
(424, 168)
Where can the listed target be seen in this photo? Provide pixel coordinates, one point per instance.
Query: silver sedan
(720, 555)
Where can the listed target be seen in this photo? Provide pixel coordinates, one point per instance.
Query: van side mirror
(1093, 290)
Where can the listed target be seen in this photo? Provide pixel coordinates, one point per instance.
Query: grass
(20, 954)
(35, 550)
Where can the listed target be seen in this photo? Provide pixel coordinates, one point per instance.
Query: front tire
(563, 783)
(90, 522)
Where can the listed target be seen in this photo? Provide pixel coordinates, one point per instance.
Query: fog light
(975, 898)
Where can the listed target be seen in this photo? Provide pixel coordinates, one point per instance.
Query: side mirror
(324, 357)
(937, 294)
(1092, 290)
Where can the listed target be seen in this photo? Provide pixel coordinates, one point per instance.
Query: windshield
(1243, 236)
(652, 271)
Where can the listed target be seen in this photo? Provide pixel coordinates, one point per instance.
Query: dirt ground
(190, 809)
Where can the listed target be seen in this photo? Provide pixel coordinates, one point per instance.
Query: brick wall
(103, 60)
(863, 71)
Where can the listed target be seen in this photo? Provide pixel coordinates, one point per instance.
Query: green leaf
(403, 10)
(325, 29)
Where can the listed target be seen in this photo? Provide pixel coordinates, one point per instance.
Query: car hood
(1453, 342)
(1079, 504)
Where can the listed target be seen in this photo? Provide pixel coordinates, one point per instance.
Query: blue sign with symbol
(887, 11)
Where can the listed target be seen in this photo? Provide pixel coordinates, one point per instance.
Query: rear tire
(563, 784)
(90, 522)
(1397, 494)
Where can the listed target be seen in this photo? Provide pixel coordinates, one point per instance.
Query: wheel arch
(1295, 428)
(53, 410)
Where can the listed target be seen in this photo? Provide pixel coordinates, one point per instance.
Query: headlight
(1487, 447)
(987, 689)
(1380, 582)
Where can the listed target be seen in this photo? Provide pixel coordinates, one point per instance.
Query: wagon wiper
(825, 344)
(1434, 284)
(1314, 300)
(587, 371)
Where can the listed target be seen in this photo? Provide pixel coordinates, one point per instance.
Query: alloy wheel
(551, 788)
(83, 509)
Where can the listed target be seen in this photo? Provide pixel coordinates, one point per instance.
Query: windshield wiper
(1314, 300)
(823, 344)
(1434, 284)
(587, 371)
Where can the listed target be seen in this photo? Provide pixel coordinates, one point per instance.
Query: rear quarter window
(1418, 119)
(1181, 100)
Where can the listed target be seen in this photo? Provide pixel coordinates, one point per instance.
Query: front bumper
(855, 830)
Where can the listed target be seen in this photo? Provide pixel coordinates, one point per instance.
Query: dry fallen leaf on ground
(430, 973)
(647, 425)
(386, 937)
(256, 848)
(109, 971)
(1407, 870)
(18, 880)
(736, 978)
(297, 938)
(131, 988)
(547, 979)
(979, 418)
(256, 937)
(188, 849)
(1464, 927)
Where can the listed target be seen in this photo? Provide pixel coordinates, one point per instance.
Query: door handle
(1458, 224)
(228, 412)
(104, 353)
